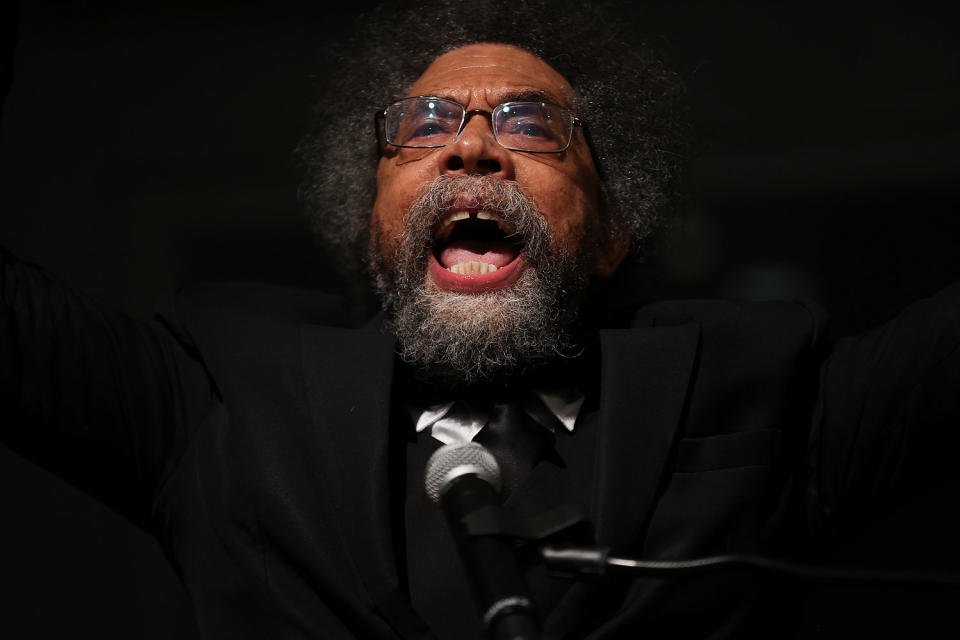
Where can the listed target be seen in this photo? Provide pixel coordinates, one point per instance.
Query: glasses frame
(381, 115)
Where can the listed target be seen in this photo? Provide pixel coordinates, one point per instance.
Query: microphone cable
(597, 561)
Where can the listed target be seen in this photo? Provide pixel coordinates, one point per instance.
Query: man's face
(563, 186)
(483, 254)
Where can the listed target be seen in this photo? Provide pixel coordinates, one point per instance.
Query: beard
(463, 339)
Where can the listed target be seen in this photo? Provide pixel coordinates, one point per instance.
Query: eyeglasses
(426, 122)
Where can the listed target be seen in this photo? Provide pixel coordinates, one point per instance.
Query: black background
(149, 145)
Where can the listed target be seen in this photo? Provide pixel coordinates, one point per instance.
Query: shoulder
(800, 322)
(206, 318)
(259, 302)
(753, 359)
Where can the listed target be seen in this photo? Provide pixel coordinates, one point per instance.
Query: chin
(460, 339)
(473, 289)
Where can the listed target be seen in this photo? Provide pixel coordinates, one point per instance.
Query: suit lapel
(644, 380)
(645, 377)
(348, 376)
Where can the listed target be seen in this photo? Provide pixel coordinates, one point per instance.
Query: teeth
(446, 227)
(472, 268)
(459, 215)
(487, 215)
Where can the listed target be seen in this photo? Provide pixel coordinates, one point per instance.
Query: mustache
(447, 192)
(460, 339)
(504, 197)
(403, 270)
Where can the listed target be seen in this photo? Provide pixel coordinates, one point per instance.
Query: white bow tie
(458, 421)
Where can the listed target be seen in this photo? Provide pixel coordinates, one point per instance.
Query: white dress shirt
(458, 421)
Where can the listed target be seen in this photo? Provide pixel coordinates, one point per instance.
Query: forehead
(492, 73)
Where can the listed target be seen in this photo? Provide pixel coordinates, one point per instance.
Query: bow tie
(459, 420)
(519, 433)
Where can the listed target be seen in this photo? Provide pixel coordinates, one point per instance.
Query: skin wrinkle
(493, 97)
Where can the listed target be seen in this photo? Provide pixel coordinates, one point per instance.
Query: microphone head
(452, 461)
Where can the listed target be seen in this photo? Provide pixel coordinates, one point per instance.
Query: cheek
(396, 189)
(381, 235)
(571, 210)
(576, 226)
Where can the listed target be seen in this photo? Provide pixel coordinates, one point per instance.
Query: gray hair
(629, 99)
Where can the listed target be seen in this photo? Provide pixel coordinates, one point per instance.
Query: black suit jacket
(252, 430)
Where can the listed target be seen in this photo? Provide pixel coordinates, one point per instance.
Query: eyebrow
(528, 95)
(516, 95)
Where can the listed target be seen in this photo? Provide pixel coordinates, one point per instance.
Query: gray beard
(463, 339)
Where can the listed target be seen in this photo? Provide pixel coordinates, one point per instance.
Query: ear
(613, 249)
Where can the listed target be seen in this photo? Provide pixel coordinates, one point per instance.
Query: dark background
(143, 148)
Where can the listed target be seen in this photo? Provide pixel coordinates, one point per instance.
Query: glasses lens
(532, 126)
(423, 122)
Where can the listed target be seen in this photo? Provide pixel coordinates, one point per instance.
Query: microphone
(463, 478)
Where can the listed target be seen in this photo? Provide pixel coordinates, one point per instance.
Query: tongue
(495, 252)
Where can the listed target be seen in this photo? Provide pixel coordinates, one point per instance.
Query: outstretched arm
(98, 398)
(889, 407)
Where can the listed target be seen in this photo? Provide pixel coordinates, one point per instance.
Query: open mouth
(474, 250)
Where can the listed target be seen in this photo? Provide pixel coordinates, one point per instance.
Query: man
(274, 449)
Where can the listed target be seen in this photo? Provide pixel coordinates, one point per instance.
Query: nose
(476, 151)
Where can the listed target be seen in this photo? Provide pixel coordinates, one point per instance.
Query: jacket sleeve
(888, 411)
(104, 401)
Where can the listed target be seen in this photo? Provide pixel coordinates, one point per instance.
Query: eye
(424, 129)
(423, 122)
(430, 128)
(529, 129)
(530, 126)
